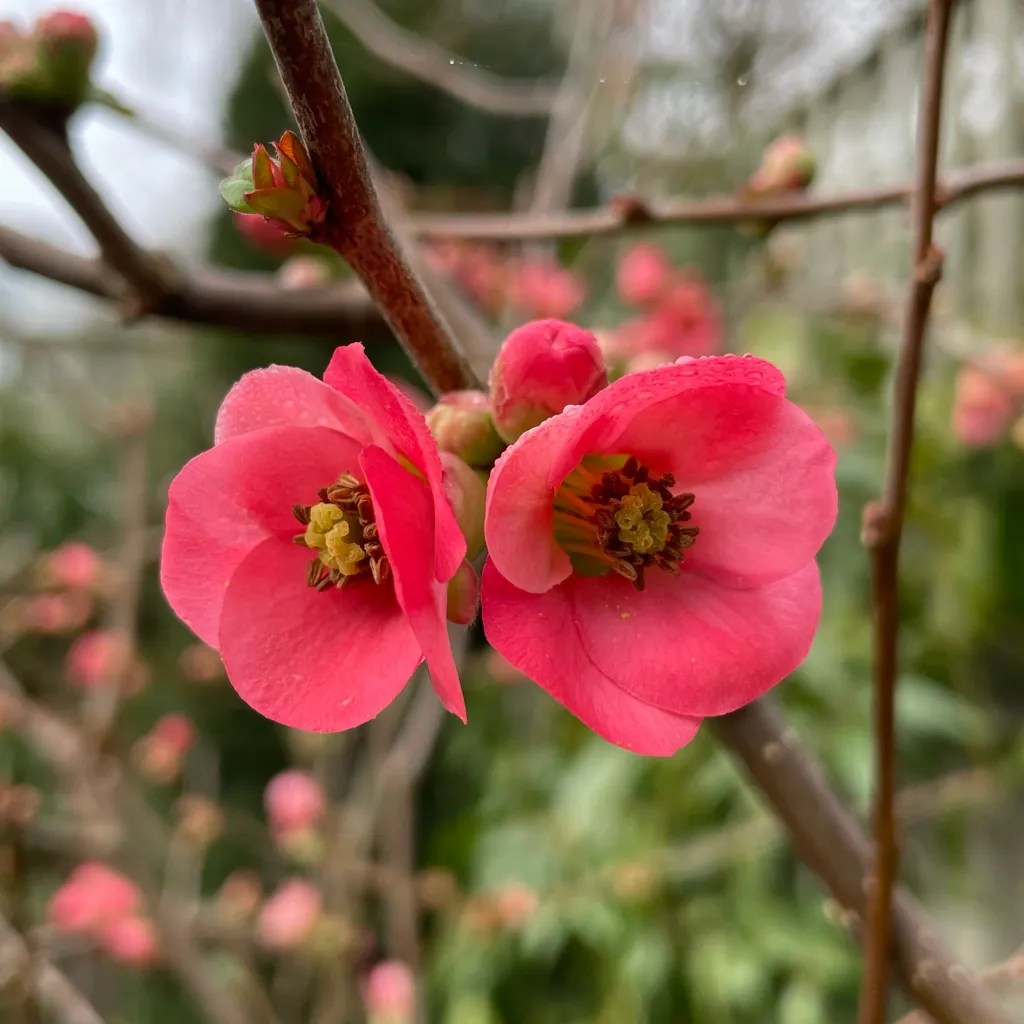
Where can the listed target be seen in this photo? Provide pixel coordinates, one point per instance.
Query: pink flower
(288, 916)
(546, 290)
(294, 802)
(652, 552)
(131, 941)
(75, 566)
(161, 752)
(97, 658)
(57, 613)
(320, 623)
(643, 274)
(92, 897)
(541, 368)
(982, 408)
(686, 322)
(390, 993)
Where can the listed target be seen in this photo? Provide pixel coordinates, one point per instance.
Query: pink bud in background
(301, 272)
(60, 25)
(131, 941)
(787, 165)
(74, 565)
(461, 424)
(57, 613)
(160, 754)
(643, 274)
(294, 802)
(463, 597)
(200, 663)
(982, 408)
(547, 290)
(468, 497)
(515, 903)
(390, 993)
(542, 367)
(288, 916)
(97, 658)
(92, 897)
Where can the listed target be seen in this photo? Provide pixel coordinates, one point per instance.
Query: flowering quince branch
(883, 521)
(353, 224)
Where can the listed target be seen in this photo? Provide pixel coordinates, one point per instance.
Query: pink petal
(322, 661)
(692, 646)
(539, 635)
(519, 516)
(402, 428)
(285, 396)
(761, 470)
(404, 511)
(228, 499)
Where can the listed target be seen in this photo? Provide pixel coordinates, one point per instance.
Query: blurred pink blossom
(92, 897)
(390, 993)
(131, 941)
(982, 408)
(294, 802)
(73, 565)
(288, 916)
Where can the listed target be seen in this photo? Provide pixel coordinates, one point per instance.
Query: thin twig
(425, 60)
(149, 278)
(631, 213)
(1002, 977)
(249, 302)
(831, 844)
(883, 523)
(355, 226)
(54, 992)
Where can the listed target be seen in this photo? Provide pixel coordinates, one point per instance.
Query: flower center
(612, 515)
(342, 529)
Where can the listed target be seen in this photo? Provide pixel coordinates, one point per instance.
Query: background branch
(425, 60)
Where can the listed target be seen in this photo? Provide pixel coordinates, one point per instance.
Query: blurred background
(519, 869)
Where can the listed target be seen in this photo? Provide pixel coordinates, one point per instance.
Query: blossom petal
(404, 509)
(690, 645)
(518, 523)
(538, 634)
(400, 427)
(228, 499)
(285, 396)
(318, 660)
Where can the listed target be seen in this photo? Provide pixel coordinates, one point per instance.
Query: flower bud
(463, 595)
(468, 497)
(66, 45)
(294, 802)
(546, 290)
(542, 367)
(283, 187)
(982, 408)
(787, 165)
(643, 275)
(130, 941)
(461, 424)
(73, 566)
(390, 993)
(289, 915)
(303, 272)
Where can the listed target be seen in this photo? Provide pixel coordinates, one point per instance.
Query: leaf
(233, 189)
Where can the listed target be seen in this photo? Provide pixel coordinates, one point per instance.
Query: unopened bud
(461, 424)
(468, 497)
(542, 367)
(463, 595)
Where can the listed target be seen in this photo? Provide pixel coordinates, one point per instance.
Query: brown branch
(149, 278)
(829, 841)
(425, 60)
(1002, 977)
(618, 217)
(215, 298)
(355, 226)
(883, 523)
(53, 991)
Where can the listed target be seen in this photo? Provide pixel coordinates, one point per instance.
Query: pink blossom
(288, 916)
(541, 368)
(301, 272)
(787, 164)
(92, 897)
(161, 752)
(652, 552)
(294, 801)
(320, 623)
(75, 566)
(643, 274)
(542, 290)
(390, 993)
(982, 407)
(131, 941)
(97, 658)
(57, 613)
(66, 25)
